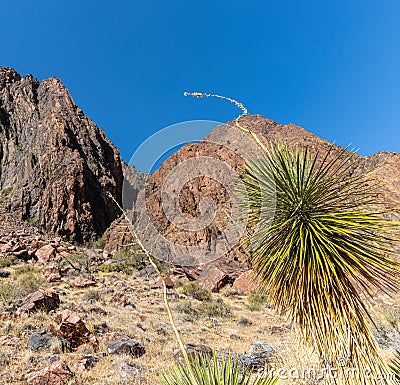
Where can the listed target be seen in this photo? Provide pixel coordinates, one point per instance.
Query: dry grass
(223, 322)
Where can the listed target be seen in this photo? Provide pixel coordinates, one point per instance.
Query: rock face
(56, 166)
(228, 146)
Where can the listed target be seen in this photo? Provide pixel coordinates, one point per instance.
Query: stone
(192, 351)
(212, 279)
(45, 254)
(52, 272)
(39, 300)
(83, 281)
(9, 341)
(126, 346)
(73, 329)
(246, 283)
(40, 340)
(127, 369)
(86, 363)
(4, 273)
(57, 373)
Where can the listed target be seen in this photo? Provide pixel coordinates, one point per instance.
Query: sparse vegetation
(17, 288)
(186, 311)
(215, 309)
(195, 291)
(255, 302)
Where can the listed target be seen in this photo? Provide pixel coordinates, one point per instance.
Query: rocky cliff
(228, 146)
(56, 165)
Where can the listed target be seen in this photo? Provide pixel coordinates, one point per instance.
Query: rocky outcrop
(229, 146)
(56, 166)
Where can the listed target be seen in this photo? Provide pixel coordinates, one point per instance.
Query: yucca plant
(204, 370)
(316, 244)
(395, 366)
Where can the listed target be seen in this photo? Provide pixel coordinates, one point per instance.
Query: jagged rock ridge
(56, 165)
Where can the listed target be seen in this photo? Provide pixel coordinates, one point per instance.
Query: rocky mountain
(57, 169)
(56, 166)
(227, 146)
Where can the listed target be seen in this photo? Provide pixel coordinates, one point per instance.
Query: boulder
(213, 278)
(126, 346)
(83, 281)
(57, 373)
(39, 300)
(45, 254)
(246, 283)
(73, 329)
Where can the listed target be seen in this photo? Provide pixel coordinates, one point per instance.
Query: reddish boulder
(73, 329)
(58, 373)
(52, 272)
(212, 278)
(45, 254)
(39, 300)
(246, 283)
(83, 281)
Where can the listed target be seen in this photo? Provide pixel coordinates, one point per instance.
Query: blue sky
(332, 67)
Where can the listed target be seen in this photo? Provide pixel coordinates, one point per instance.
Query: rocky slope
(229, 146)
(56, 165)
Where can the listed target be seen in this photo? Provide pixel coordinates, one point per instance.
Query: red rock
(83, 281)
(61, 181)
(45, 254)
(52, 272)
(113, 336)
(212, 278)
(246, 283)
(120, 299)
(58, 373)
(85, 363)
(9, 341)
(39, 300)
(73, 329)
(128, 370)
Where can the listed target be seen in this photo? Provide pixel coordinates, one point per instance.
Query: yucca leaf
(202, 370)
(317, 241)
